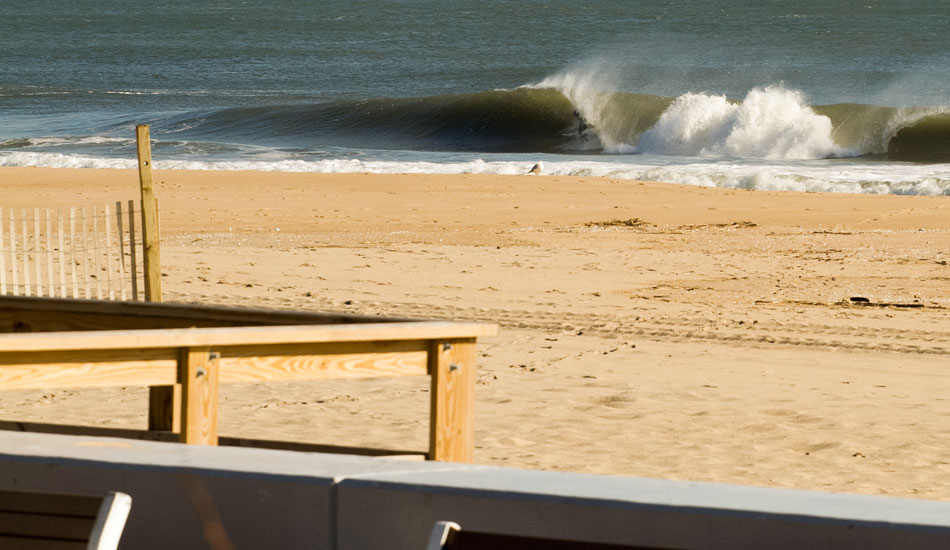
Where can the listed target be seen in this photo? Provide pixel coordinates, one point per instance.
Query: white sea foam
(839, 176)
(770, 123)
(51, 141)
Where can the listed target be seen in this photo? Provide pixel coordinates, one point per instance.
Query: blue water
(830, 96)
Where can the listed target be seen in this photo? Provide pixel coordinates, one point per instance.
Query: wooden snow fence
(85, 252)
(77, 252)
(183, 353)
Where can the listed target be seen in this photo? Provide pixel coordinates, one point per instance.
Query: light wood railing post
(150, 233)
(198, 376)
(452, 408)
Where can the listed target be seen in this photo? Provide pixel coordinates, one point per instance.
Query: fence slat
(62, 255)
(96, 253)
(107, 222)
(49, 254)
(135, 281)
(72, 249)
(26, 254)
(37, 253)
(118, 224)
(85, 254)
(120, 235)
(13, 262)
(3, 259)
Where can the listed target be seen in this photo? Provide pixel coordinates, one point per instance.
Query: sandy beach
(645, 329)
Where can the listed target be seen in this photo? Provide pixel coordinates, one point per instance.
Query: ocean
(849, 97)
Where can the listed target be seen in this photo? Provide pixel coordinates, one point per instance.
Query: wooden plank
(72, 250)
(95, 368)
(237, 336)
(150, 230)
(37, 253)
(3, 259)
(118, 223)
(96, 253)
(107, 222)
(323, 361)
(13, 261)
(198, 376)
(20, 370)
(132, 246)
(85, 254)
(62, 254)
(49, 253)
(452, 406)
(26, 255)
(164, 408)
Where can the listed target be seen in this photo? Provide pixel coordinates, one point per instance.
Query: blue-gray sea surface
(811, 96)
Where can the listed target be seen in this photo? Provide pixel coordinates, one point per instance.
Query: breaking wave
(770, 123)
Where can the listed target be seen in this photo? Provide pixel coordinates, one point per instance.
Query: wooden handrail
(234, 336)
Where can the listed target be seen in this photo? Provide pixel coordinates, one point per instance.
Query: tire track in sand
(664, 329)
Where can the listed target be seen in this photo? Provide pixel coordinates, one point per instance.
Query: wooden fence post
(150, 234)
(452, 394)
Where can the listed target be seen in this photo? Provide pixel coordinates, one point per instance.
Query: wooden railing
(63, 344)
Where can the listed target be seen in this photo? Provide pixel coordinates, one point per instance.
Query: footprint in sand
(516, 442)
(616, 401)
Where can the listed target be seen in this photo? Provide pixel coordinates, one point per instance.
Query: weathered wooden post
(150, 238)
